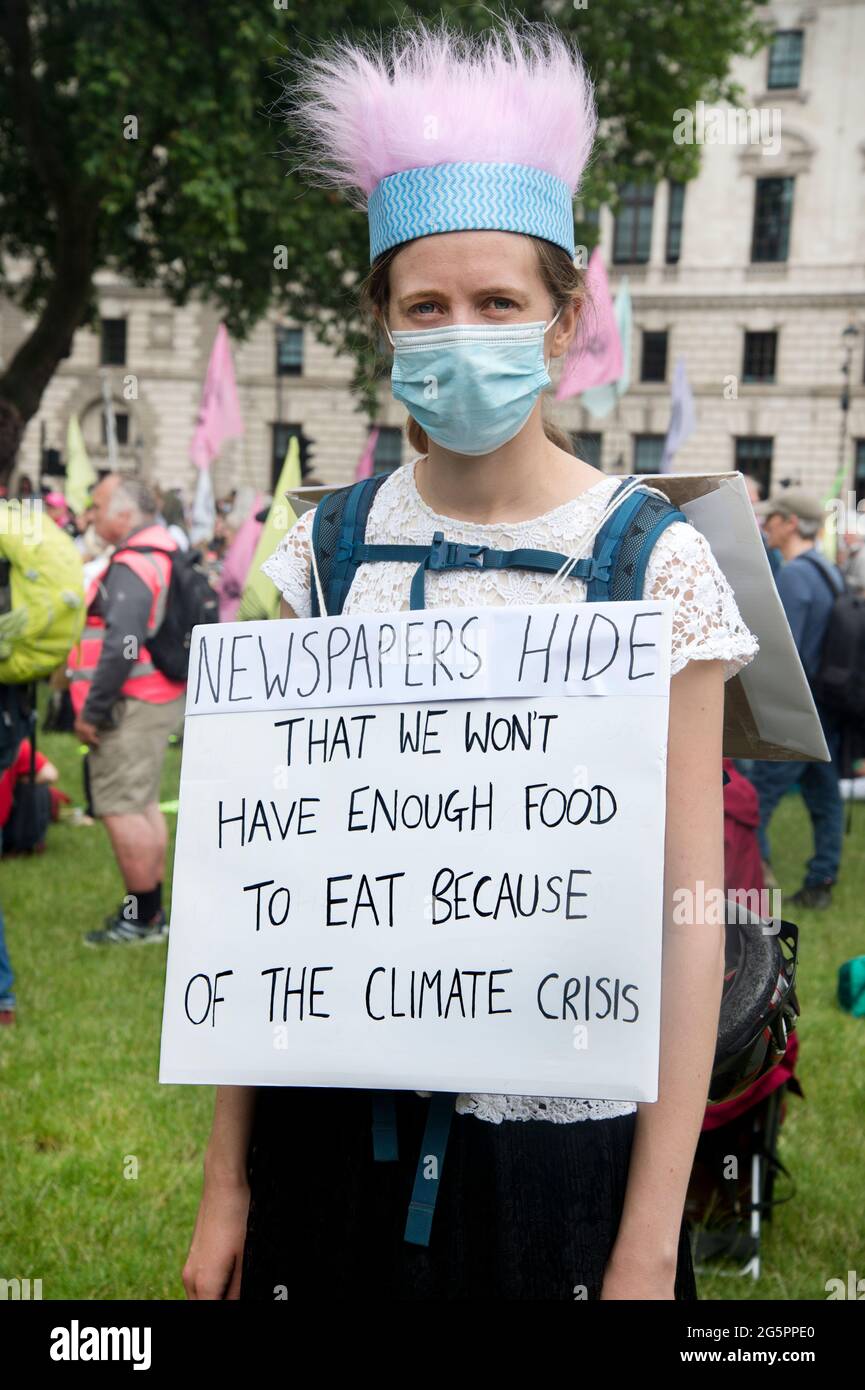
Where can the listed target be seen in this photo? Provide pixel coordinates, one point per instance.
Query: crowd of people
(234, 510)
(125, 710)
(112, 696)
(125, 707)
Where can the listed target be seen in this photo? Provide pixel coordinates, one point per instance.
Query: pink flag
(365, 462)
(219, 416)
(238, 558)
(598, 360)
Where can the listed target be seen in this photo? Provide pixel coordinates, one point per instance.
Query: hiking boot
(126, 931)
(816, 896)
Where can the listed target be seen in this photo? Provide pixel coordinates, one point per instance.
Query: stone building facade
(751, 274)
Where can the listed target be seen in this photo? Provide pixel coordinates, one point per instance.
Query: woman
(175, 519)
(539, 1197)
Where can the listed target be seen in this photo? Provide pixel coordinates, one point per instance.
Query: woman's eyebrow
(420, 294)
(487, 291)
(503, 291)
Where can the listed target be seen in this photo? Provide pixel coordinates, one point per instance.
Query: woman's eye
(419, 308)
(499, 302)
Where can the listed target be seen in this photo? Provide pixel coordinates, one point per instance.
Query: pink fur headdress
(438, 130)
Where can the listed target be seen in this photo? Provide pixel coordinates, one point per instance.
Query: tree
(144, 138)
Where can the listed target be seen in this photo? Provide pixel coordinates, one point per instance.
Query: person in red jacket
(126, 709)
(743, 866)
(20, 768)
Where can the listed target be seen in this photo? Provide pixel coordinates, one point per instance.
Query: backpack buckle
(601, 563)
(447, 555)
(599, 569)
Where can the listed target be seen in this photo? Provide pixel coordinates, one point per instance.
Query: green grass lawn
(82, 1110)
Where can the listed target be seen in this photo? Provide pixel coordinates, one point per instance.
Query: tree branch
(24, 87)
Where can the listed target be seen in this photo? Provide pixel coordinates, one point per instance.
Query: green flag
(830, 531)
(260, 595)
(80, 473)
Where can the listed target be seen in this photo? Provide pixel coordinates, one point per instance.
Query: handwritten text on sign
(407, 855)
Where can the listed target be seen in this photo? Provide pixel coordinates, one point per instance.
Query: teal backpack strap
(447, 555)
(435, 1141)
(440, 555)
(338, 526)
(385, 1148)
(625, 542)
(615, 570)
(652, 532)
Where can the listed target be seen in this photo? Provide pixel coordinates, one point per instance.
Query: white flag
(683, 417)
(203, 508)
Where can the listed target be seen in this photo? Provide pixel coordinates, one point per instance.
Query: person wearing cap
(752, 487)
(466, 152)
(792, 521)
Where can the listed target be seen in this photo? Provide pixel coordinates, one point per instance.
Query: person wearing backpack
(474, 281)
(126, 707)
(809, 586)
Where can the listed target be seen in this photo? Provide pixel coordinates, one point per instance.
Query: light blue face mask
(472, 386)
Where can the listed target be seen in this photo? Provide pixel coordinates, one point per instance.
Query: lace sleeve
(707, 624)
(288, 566)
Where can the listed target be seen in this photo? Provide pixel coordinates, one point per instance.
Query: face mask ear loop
(387, 331)
(546, 330)
(562, 574)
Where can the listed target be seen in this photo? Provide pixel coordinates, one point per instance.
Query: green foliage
(163, 119)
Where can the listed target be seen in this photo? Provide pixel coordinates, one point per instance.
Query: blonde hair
(565, 282)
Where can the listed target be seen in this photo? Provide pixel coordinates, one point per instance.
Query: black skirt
(526, 1209)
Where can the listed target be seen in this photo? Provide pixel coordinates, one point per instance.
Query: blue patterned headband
(469, 197)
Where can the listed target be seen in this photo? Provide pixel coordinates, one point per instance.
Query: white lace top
(706, 625)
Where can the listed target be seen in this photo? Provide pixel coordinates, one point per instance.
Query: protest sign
(423, 851)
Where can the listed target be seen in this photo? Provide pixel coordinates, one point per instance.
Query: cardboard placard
(423, 851)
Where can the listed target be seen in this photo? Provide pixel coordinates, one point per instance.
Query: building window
(588, 225)
(289, 351)
(632, 238)
(280, 435)
(388, 449)
(785, 58)
(759, 361)
(653, 363)
(121, 427)
(675, 217)
(773, 205)
(52, 464)
(754, 458)
(588, 446)
(859, 456)
(648, 452)
(112, 346)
